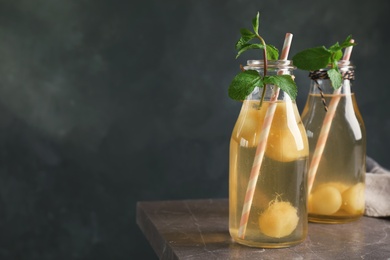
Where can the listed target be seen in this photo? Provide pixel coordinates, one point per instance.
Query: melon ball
(353, 199)
(282, 147)
(286, 143)
(325, 200)
(279, 220)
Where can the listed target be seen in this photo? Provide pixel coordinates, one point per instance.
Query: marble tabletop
(198, 229)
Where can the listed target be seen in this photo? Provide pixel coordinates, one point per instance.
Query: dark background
(106, 103)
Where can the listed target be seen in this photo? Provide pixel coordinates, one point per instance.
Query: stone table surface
(198, 229)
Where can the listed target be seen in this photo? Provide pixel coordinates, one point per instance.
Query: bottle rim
(278, 64)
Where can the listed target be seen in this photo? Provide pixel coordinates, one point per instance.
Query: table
(198, 229)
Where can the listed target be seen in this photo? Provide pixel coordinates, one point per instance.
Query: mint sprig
(320, 57)
(243, 44)
(245, 82)
(284, 82)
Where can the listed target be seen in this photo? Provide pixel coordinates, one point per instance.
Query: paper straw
(250, 191)
(326, 124)
(348, 51)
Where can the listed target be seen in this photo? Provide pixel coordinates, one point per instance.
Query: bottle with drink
(337, 141)
(268, 165)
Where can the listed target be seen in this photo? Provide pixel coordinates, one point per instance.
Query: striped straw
(326, 124)
(250, 191)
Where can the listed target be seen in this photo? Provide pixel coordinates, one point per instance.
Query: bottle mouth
(277, 64)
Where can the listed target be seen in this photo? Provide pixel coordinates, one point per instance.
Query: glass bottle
(337, 141)
(276, 216)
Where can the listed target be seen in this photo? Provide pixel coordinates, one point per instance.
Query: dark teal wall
(106, 103)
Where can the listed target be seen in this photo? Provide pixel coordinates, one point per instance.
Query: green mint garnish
(284, 82)
(245, 82)
(335, 77)
(243, 44)
(320, 57)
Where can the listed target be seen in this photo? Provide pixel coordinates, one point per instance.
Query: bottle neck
(272, 92)
(320, 82)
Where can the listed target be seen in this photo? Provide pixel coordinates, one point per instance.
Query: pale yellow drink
(278, 215)
(338, 190)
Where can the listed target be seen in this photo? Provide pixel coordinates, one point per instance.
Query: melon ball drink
(336, 134)
(277, 216)
(268, 150)
(337, 193)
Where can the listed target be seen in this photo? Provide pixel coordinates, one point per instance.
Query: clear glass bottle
(277, 214)
(337, 141)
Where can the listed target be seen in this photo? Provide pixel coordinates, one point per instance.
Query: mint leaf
(335, 77)
(347, 42)
(249, 46)
(240, 43)
(337, 56)
(243, 84)
(335, 47)
(312, 59)
(255, 23)
(246, 36)
(272, 52)
(284, 82)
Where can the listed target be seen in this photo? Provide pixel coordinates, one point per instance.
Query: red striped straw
(326, 124)
(250, 191)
